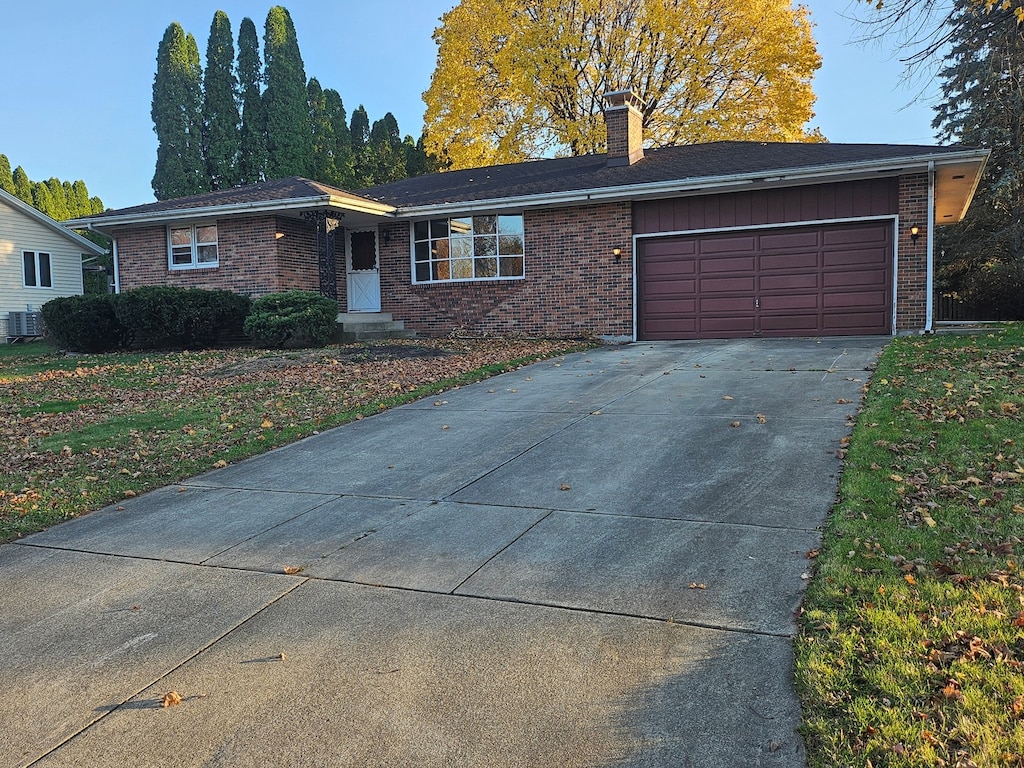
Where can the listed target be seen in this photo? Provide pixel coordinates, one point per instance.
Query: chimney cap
(622, 100)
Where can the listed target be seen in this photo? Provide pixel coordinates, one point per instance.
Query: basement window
(192, 247)
(468, 248)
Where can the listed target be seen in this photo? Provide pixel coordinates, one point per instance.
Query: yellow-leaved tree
(522, 79)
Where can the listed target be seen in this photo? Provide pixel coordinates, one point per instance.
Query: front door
(363, 267)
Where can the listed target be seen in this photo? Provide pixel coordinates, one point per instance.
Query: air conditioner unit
(25, 324)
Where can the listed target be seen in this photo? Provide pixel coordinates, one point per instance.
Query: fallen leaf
(170, 699)
(292, 569)
(762, 419)
(727, 397)
(220, 464)
(564, 487)
(444, 426)
(281, 657)
(267, 424)
(909, 578)
(734, 424)
(843, 401)
(695, 585)
(130, 494)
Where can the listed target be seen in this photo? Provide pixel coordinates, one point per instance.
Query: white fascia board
(782, 177)
(342, 204)
(60, 227)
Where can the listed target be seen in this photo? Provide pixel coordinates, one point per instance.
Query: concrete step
(346, 336)
(364, 317)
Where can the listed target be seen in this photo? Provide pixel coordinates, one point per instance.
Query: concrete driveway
(592, 561)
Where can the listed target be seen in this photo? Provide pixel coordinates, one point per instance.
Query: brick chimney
(624, 120)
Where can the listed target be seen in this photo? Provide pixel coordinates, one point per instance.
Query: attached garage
(817, 280)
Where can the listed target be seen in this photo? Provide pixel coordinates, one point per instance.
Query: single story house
(40, 259)
(727, 239)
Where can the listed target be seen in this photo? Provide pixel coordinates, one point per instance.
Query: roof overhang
(957, 178)
(355, 211)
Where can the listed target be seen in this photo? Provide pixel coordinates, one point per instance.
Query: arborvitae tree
(58, 199)
(6, 175)
(289, 137)
(252, 158)
(321, 159)
(82, 204)
(983, 105)
(343, 163)
(41, 199)
(96, 205)
(220, 110)
(177, 117)
(363, 164)
(22, 185)
(417, 160)
(385, 152)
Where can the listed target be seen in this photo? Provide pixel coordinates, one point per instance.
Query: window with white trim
(468, 248)
(192, 246)
(37, 271)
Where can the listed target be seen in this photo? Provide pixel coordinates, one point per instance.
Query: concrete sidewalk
(592, 561)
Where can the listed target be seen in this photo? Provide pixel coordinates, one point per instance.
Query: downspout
(930, 269)
(117, 266)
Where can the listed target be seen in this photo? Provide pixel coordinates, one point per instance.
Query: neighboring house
(40, 259)
(729, 239)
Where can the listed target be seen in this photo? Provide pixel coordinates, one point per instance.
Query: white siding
(20, 232)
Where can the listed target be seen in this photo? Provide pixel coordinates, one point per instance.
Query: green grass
(82, 433)
(911, 649)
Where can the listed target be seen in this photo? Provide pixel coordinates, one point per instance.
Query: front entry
(363, 269)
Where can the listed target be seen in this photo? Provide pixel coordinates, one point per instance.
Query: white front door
(363, 266)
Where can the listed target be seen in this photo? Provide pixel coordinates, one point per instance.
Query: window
(192, 246)
(37, 269)
(468, 248)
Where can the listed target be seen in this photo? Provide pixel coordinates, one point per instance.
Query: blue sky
(77, 77)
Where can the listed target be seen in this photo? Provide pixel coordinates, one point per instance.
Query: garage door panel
(855, 279)
(801, 280)
(718, 245)
(789, 262)
(789, 283)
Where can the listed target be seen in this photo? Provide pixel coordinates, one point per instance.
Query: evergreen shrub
(84, 323)
(292, 319)
(168, 317)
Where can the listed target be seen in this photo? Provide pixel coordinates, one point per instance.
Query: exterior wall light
(915, 232)
(617, 253)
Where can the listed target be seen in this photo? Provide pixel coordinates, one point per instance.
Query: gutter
(930, 259)
(697, 185)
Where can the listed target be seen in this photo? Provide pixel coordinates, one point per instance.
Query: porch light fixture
(915, 232)
(617, 253)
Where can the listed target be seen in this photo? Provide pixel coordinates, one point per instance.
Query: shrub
(163, 316)
(292, 319)
(84, 323)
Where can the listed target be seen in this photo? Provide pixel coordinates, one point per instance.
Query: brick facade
(573, 285)
(912, 259)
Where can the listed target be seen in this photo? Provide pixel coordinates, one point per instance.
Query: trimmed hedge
(292, 319)
(84, 323)
(155, 317)
(165, 317)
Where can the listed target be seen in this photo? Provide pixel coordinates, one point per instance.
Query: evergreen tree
(6, 175)
(418, 161)
(343, 168)
(252, 158)
(58, 199)
(983, 105)
(321, 160)
(289, 136)
(386, 154)
(82, 204)
(177, 117)
(22, 185)
(220, 110)
(363, 164)
(41, 199)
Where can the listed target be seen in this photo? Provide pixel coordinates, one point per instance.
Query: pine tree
(252, 158)
(22, 185)
(177, 117)
(220, 110)
(6, 175)
(983, 105)
(289, 136)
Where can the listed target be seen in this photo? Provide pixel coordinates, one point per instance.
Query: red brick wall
(572, 286)
(253, 258)
(912, 259)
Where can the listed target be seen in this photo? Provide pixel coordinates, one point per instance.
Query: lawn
(911, 639)
(82, 432)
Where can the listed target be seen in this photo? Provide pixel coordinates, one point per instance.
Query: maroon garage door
(833, 280)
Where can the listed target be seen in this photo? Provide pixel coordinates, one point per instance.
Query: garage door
(833, 280)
